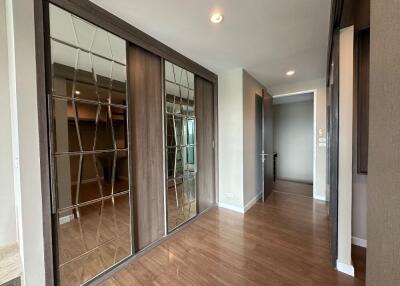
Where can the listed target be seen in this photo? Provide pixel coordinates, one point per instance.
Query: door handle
(263, 156)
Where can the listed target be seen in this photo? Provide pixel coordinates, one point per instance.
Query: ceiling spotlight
(77, 92)
(290, 73)
(216, 18)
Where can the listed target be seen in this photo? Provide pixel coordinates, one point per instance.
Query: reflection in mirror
(90, 157)
(181, 145)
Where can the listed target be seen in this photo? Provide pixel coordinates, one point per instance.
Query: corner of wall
(252, 174)
(345, 174)
(230, 126)
(25, 138)
(8, 221)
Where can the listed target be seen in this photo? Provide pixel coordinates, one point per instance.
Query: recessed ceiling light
(77, 92)
(216, 18)
(290, 73)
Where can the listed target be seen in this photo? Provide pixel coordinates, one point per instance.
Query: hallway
(281, 242)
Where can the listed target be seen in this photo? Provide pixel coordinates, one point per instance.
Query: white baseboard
(252, 202)
(66, 219)
(241, 210)
(345, 268)
(231, 207)
(359, 241)
(320, 198)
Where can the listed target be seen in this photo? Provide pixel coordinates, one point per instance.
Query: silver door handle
(266, 154)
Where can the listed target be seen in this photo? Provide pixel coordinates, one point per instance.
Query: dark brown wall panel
(333, 146)
(362, 78)
(205, 151)
(361, 81)
(145, 94)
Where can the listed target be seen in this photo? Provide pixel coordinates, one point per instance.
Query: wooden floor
(283, 241)
(296, 188)
(359, 256)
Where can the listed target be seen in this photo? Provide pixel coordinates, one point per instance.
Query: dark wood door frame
(267, 142)
(42, 48)
(334, 150)
(100, 17)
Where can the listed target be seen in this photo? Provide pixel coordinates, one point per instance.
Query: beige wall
(251, 160)
(360, 186)
(294, 140)
(239, 169)
(383, 255)
(8, 231)
(360, 207)
(345, 175)
(230, 137)
(25, 138)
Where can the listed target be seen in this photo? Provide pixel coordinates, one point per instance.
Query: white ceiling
(293, 98)
(266, 37)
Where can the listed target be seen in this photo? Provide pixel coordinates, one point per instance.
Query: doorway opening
(293, 156)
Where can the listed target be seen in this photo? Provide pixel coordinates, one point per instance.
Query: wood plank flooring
(359, 256)
(283, 241)
(302, 189)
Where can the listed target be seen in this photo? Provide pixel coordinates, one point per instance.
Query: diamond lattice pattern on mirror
(181, 144)
(90, 157)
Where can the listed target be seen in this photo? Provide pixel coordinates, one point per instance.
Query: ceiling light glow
(77, 92)
(290, 73)
(216, 18)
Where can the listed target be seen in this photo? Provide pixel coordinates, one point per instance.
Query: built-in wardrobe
(131, 128)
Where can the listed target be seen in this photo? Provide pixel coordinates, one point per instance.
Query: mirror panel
(181, 145)
(100, 237)
(90, 141)
(88, 126)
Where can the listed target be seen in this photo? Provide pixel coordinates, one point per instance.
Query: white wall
(294, 140)
(8, 231)
(345, 176)
(320, 112)
(359, 208)
(25, 138)
(239, 165)
(230, 126)
(252, 171)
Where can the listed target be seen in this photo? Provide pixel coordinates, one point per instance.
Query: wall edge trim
(231, 207)
(345, 268)
(359, 241)
(252, 202)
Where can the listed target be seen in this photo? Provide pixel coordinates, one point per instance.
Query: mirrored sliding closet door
(89, 148)
(180, 128)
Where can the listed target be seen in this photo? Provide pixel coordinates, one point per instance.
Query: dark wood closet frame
(361, 21)
(345, 13)
(338, 20)
(103, 19)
